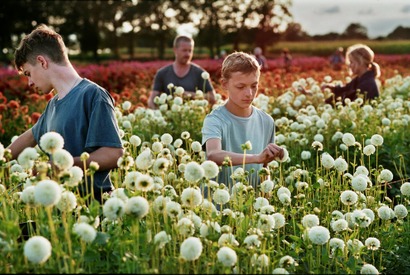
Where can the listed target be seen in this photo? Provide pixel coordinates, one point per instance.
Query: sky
(380, 17)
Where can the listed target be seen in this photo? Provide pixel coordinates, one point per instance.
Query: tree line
(127, 24)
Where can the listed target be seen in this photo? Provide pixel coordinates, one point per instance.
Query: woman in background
(360, 60)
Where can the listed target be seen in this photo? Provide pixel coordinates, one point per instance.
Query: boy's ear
(43, 61)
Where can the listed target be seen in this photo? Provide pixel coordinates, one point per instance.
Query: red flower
(13, 104)
(35, 116)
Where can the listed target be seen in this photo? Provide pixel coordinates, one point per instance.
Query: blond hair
(239, 62)
(363, 55)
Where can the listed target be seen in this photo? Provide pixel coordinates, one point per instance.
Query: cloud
(405, 9)
(332, 10)
(366, 12)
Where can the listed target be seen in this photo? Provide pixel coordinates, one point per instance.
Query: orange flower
(13, 104)
(35, 116)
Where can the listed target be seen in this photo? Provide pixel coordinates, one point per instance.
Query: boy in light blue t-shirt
(237, 122)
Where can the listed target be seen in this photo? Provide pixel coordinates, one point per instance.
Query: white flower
(285, 157)
(160, 165)
(348, 197)
(285, 199)
(405, 189)
(310, 220)
(266, 222)
(354, 246)
(287, 261)
(144, 159)
(63, 159)
(126, 105)
(113, 208)
(348, 139)
(227, 256)
(336, 244)
(51, 141)
(340, 164)
(86, 231)
(47, 192)
(157, 147)
(260, 260)
(67, 202)
(27, 195)
(282, 190)
(317, 145)
(162, 238)
(252, 241)
(280, 270)
(137, 207)
(196, 146)
(173, 209)
(267, 186)
(211, 169)
(385, 176)
(372, 243)
(247, 145)
(221, 196)
(361, 170)
(193, 172)
(144, 183)
(327, 160)
(385, 212)
(209, 228)
(400, 211)
(376, 140)
(359, 183)
(178, 142)
(319, 235)
(305, 155)
(227, 239)
(37, 249)
(359, 217)
(76, 175)
(27, 157)
(205, 75)
(260, 202)
(368, 269)
(191, 249)
(369, 150)
(191, 197)
(186, 227)
(135, 140)
(339, 225)
(185, 135)
(279, 220)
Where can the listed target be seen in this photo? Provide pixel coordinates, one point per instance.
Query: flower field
(337, 203)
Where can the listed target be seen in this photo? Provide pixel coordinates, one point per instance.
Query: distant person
(337, 59)
(360, 60)
(182, 72)
(231, 125)
(81, 111)
(222, 55)
(287, 59)
(258, 54)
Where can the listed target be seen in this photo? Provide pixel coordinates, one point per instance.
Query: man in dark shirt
(182, 73)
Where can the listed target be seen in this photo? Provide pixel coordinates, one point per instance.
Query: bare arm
(215, 153)
(23, 141)
(151, 103)
(106, 157)
(211, 97)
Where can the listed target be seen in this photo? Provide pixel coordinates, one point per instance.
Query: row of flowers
(326, 207)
